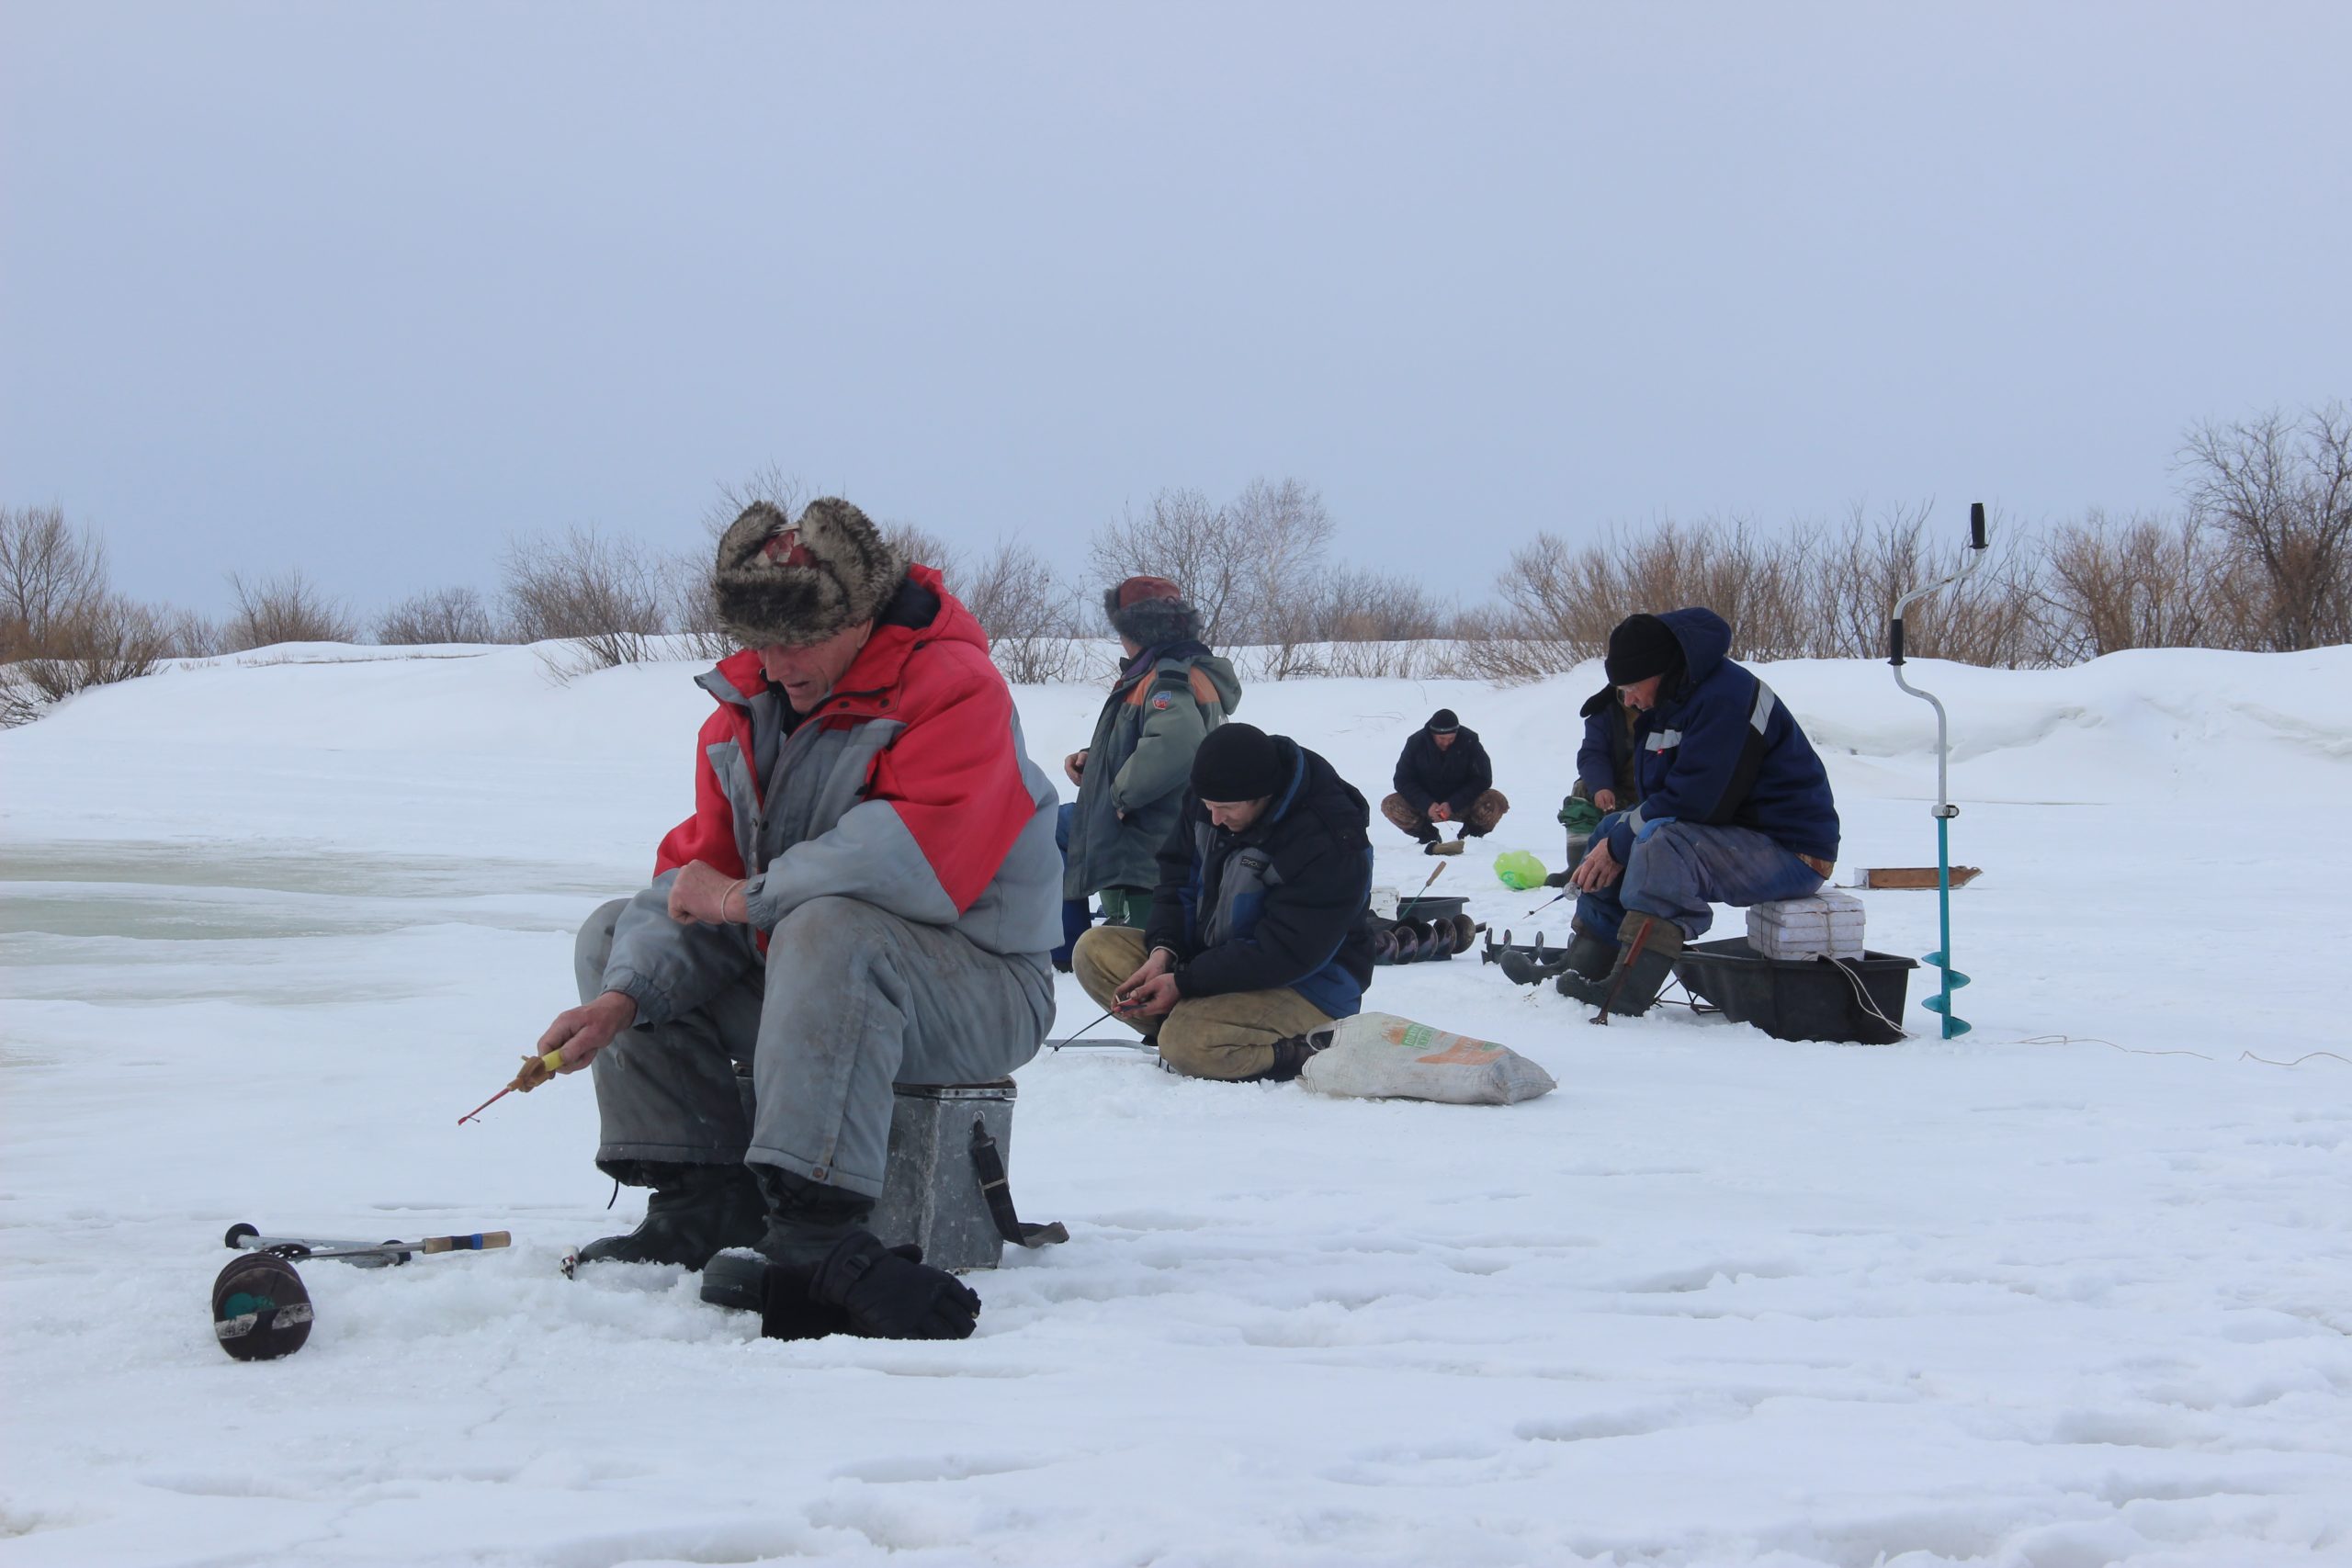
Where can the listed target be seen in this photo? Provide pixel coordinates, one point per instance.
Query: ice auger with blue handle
(1945, 809)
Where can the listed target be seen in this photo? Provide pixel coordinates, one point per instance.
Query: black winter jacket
(1281, 903)
(1457, 775)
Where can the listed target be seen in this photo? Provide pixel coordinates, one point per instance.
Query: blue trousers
(1076, 915)
(1680, 870)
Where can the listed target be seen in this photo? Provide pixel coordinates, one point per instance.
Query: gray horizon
(367, 292)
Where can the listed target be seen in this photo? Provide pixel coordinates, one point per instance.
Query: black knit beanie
(1641, 647)
(1442, 722)
(1236, 761)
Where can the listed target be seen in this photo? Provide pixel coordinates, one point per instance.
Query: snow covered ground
(2074, 1289)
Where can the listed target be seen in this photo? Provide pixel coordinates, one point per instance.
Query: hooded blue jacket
(1720, 750)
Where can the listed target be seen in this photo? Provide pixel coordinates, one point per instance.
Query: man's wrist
(620, 1005)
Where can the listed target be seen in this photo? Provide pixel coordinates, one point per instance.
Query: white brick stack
(1829, 923)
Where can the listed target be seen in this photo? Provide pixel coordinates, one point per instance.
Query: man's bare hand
(579, 1032)
(1440, 812)
(1597, 870)
(1605, 798)
(1075, 764)
(1151, 989)
(1153, 997)
(704, 892)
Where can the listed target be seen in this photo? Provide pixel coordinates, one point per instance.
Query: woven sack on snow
(1377, 1056)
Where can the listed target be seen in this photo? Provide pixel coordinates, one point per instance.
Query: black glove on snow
(780, 1295)
(886, 1295)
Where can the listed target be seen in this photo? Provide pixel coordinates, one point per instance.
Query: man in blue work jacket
(1735, 809)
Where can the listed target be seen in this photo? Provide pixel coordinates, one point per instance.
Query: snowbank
(2071, 1290)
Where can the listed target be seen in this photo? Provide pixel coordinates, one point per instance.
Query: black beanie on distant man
(1443, 722)
(1236, 761)
(1641, 647)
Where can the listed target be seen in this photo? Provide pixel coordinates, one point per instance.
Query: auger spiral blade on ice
(1944, 810)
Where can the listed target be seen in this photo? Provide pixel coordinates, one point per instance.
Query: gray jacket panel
(1138, 766)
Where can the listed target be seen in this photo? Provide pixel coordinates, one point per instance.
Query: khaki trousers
(1231, 1036)
(1485, 812)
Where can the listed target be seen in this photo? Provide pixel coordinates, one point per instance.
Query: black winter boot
(1586, 955)
(1589, 955)
(825, 1273)
(805, 1219)
(1291, 1055)
(693, 1212)
(1646, 949)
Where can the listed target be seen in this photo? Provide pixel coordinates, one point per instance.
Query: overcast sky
(369, 289)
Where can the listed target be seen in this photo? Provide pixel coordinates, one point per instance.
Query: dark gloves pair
(865, 1289)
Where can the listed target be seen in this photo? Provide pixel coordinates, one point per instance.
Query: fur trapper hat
(797, 582)
(1151, 612)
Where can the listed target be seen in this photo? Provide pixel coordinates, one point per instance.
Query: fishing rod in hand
(535, 1071)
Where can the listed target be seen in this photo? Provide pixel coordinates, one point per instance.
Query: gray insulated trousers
(852, 1001)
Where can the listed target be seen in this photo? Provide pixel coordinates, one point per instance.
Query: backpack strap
(997, 1188)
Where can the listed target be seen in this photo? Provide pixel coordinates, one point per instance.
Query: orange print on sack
(1464, 1053)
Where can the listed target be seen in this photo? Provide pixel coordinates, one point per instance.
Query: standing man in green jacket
(1170, 692)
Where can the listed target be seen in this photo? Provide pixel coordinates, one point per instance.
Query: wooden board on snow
(1918, 876)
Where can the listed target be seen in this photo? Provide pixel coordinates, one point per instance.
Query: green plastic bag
(1579, 814)
(1519, 870)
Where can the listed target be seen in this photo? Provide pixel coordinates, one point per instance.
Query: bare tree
(2278, 490)
(438, 614)
(1989, 617)
(51, 573)
(607, 594)
(1029, 614)
(916, 543)
(100, 641)
(2142, 582)
(768, 482)
(1245, 565)
(190, 634)
(1180, 537)
(62, 629)
(288, 607)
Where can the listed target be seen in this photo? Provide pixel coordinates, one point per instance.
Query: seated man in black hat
(1258, 940)
(1734, 808)
(1444, 775)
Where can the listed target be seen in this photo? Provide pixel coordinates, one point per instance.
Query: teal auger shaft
(1941, 958)
(1944, 810)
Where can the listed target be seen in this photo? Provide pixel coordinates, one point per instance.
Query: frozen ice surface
(2073, 1290)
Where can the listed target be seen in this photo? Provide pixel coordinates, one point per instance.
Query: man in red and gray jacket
(866, 894)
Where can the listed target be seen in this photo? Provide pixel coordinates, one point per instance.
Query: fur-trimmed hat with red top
(781, 580)
(1150, 612)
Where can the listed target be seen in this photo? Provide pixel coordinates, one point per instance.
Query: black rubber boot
(826, 1273)
(1291, 1056)
(802, 1222)
(1646, 949)
(1586, 955)
(805, 1219)
(1589, 955)
(694, 1212)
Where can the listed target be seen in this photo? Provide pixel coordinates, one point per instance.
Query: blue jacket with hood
(1720, 750)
